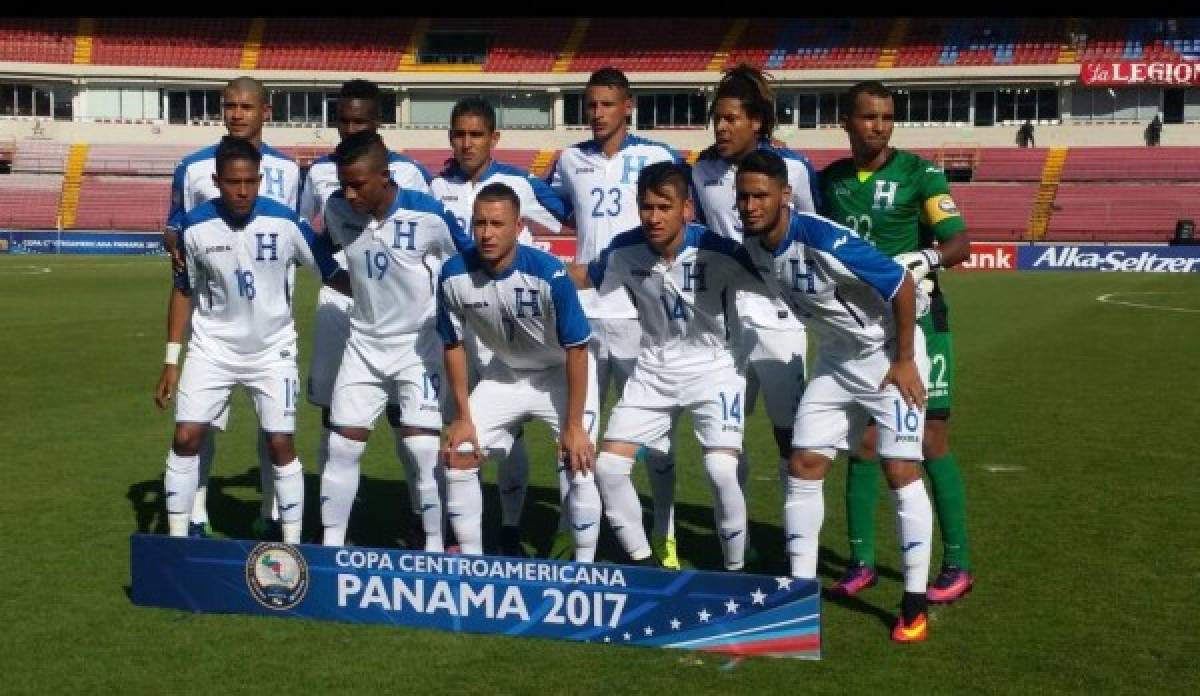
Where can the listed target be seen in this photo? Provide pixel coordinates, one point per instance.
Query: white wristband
(173, 350)
(935, 258)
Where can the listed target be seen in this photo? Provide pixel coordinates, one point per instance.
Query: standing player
(901, 203)
(520, 304)
(598, 180)
(359, 109)
(681, 277)
(472, 136)
(872, 365)
(772, 342)
(395, 242)
(245, 107)
(239, 249)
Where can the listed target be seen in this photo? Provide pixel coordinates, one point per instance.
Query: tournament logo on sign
(277, 576)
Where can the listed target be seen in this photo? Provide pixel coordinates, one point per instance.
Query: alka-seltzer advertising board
(730, 613)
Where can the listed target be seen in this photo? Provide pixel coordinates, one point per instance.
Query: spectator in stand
(1025, 135)
(1154, 132)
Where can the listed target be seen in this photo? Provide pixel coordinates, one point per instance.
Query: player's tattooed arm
(462, 429)
(575, 445)
(179, 311)
(904, 372)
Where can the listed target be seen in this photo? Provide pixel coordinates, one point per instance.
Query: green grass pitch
(1075, 424)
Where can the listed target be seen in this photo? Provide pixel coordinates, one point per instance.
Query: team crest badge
(277, 576)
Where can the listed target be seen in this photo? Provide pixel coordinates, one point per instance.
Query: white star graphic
(675, 624)
(627, 636)
(607, 639)
(784, 583)
(731, 606)
(703, 614)
(648, 631)
(758, 596)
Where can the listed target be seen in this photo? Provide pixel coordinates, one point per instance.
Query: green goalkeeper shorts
(940, 347)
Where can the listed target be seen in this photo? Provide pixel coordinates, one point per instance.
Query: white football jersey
(394, 262)
(682, 305)
(240, 281)
(322, 182)
(839, 285)
(193, 181)
(602, 193)
(527, 315)
(714, 190)
(541, 207)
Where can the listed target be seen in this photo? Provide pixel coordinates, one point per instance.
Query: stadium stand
(1132, 163)
(40, 156)
(334, 44)
(1121, 212)
(30, 40)
(995, 212)
(134, 160)
(527, 45)
(1010, 164)
(181, 42)
(642, 45)
(123, 202)
(29, 201)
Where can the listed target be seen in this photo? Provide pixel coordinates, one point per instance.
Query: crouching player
(871, 364)
(683, 279)
(521, 305)
(238, 250)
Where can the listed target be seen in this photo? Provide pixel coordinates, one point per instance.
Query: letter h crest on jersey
(885, 194)
(409, 235)
(521, 303)
(264, 245)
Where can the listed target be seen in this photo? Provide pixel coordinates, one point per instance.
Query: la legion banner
(731, 613)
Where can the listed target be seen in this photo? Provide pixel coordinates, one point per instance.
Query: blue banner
(731, 613)
(80, 242)
(1122, 258)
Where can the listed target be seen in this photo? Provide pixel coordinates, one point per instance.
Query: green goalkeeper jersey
(901, 207)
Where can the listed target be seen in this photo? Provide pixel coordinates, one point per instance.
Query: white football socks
(660, 469)
(208, 451)
(423, 450)
(289, 488)
(513, 479)
(914, 526)
(268, 507)
(464, 506)
(803, 514)
(179, 485)
(621, 504)
(583, 501)
(410, 471)
(729, 507)
(323, 450)
(339, 484)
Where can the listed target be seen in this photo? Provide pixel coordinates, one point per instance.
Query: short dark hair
(609, 76)
(497, 191)
(875, 88)
(359, 145)
(662, 175)
(246, 83)
(232, 148)
(750, 87)
(362, 89)
(765, 162)
(475, 106)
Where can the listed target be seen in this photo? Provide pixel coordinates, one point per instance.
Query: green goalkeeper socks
(862, 497)
(950, 502)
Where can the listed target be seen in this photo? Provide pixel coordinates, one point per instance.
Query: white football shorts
(206, 386)
(407, 372)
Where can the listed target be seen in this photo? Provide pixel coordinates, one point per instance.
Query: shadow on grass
(382, 516)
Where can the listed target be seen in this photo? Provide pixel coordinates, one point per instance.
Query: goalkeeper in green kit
(901, 203)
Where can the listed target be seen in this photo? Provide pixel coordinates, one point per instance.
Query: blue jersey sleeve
(175, 213)
(573, 327)
(447, 327)
(549, 198)
(556, 184)
(322, 250)
(870, 265)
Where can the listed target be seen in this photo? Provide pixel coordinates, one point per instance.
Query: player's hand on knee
(461, 432)
(166, 385)
(907, 380)
(575, 448)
